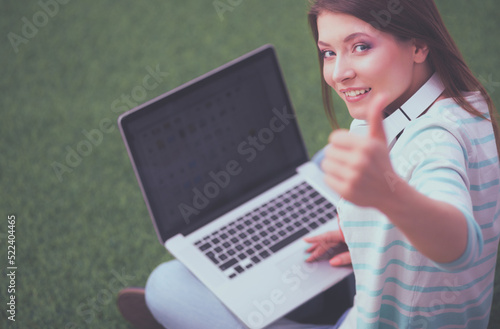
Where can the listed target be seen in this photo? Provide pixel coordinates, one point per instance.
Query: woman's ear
(421, 51)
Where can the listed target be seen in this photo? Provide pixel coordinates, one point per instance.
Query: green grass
(80, 239)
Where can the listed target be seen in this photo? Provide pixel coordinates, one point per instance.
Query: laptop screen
(212, 144)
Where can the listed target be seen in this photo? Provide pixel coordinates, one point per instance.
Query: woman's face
(361, 62)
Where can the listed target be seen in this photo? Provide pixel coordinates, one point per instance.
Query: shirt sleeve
(440, 161)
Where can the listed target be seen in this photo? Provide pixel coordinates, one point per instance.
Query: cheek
(376, 67)
(390, 70)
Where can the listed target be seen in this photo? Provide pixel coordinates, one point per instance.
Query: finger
(375, 119)
(336, 182)
(312, 248)
(321, 244)
(341, 158)
(341, 259)
(343, 139)
(317, 252)
(338, 134)
(336, 153)
(328, 237)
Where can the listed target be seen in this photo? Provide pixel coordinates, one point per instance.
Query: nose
(343, 70)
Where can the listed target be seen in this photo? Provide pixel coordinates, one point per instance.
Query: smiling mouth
(354, 93)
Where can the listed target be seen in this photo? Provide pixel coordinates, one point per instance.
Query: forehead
(335, 27)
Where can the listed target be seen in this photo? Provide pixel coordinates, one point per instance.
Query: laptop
(230, 189)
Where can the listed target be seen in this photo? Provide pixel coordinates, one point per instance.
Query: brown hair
(405, 20)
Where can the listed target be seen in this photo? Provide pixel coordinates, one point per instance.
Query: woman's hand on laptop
(326, 246)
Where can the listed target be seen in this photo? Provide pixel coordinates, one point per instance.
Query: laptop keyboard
(245, 242)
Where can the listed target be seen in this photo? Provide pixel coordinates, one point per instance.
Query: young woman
(420, 189)
(419, 210)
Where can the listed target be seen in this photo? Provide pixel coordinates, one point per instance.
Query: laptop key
(264, 254)
(320, 201)
(205, 246)
(228, 264)
(212, 258)
(255, 259)
(289, 239)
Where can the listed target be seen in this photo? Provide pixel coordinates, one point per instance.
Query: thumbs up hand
(358, 168)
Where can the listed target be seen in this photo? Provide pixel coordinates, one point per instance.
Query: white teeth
(354, 93)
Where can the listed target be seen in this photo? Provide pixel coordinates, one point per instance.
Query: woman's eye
(361, 48)
(327, 54)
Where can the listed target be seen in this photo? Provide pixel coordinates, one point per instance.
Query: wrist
(397, 202)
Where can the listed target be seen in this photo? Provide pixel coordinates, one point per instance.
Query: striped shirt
(449, 155)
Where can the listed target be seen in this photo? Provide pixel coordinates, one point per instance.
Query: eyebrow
(347, 39)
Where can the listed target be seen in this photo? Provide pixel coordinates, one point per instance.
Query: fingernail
(336, 261)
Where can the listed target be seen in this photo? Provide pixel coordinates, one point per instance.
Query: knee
(163, 281)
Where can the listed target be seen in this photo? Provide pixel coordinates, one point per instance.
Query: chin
(357, 113)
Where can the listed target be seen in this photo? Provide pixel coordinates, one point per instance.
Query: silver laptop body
(230, 189)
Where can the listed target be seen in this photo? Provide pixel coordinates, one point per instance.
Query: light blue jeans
(178, 300)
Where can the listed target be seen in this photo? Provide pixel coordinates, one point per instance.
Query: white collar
(395, 123)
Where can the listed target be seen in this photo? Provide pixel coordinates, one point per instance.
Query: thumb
(341, 259)
(375, 119)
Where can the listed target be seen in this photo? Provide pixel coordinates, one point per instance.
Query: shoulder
(448, 120)
(447, 135)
